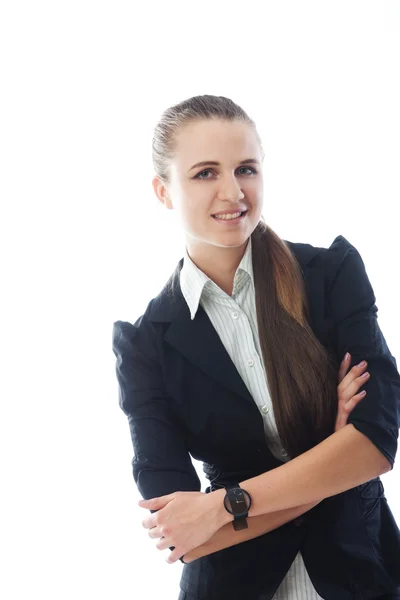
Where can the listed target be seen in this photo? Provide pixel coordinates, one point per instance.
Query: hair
(301, 374)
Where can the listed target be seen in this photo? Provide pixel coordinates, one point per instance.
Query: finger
(156, 503)
(354, 387)
(351, 404)
(155, 532)
(344, 366)
(345, 410)
(354, 372)
(164, 543)
(150, 521)
(352, 375)
(173, 556)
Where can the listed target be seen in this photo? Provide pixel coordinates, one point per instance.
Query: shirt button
(235, 315)
(265, 409)
(250, 362)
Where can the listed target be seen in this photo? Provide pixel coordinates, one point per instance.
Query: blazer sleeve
(351, 303)
(161, 463)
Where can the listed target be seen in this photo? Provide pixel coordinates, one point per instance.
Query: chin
(233, 241)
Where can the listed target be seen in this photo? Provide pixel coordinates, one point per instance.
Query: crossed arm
(345, 459)
(226, 536)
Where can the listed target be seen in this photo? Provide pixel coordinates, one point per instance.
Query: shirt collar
(194, 282)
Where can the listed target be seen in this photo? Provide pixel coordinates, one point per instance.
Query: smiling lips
(228, 218)
(235, 218)
(229, 214)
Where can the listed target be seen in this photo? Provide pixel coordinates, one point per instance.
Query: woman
(236, 362)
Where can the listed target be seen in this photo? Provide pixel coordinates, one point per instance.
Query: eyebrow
(213, 162)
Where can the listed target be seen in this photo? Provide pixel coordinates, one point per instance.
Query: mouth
(230, 220)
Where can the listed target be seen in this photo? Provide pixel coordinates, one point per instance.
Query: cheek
(194, 214)
(198, 206)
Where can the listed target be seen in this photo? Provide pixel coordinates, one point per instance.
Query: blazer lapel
(199, 342)
(196, 340)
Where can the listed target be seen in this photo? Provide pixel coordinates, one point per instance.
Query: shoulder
(344, 265)
(349, 290)
(342, 268)
(148, 330)
(339, 251)
(139, 331)
(330, 258)
(338, 248)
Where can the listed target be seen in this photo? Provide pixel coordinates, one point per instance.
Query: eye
(250, 169)
(198, 176)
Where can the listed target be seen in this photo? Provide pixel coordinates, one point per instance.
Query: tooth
(228, 217)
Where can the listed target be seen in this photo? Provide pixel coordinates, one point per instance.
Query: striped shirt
(235, 320)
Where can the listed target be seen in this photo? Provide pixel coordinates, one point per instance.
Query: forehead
(217, 140)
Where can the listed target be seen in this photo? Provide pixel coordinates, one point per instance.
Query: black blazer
(183, 396)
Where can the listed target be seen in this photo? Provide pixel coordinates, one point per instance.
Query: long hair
(301, 374)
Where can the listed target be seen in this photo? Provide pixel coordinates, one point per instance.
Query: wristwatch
(237, 502)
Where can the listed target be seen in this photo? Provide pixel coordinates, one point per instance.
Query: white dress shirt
(234, 318)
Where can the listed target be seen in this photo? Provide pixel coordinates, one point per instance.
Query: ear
(161, 192)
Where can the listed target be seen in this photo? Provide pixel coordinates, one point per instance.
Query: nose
(229, 188)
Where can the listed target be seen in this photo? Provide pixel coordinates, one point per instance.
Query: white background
(85, 241)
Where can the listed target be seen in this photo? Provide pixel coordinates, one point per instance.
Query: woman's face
(198, 192)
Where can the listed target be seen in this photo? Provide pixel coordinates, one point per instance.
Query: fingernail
(365, 374)
(362, 363)
(346, 356)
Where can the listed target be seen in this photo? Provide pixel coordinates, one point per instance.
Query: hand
(348, 386)
(184, 520)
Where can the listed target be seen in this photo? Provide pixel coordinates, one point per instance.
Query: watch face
(237, 501)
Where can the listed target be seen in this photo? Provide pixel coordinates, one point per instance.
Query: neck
(219, 264)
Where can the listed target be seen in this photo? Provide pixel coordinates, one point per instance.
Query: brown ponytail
(302, 378)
